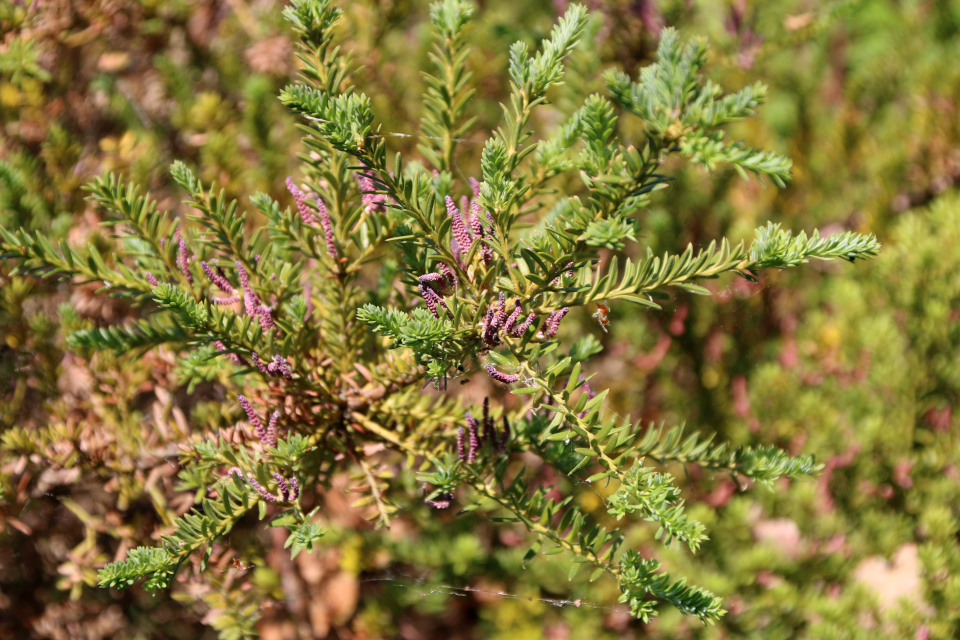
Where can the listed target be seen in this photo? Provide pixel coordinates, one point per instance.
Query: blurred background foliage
(859, 365)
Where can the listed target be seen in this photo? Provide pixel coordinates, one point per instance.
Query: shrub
(326, 322)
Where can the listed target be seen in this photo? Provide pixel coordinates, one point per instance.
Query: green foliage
(676, 106)
(591, 201)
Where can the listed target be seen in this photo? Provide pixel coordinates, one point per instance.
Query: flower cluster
(462, 240)
(496, 321)
(322, 217)
(268, 434)
(471, 439)
(433, 286)
(278, 367)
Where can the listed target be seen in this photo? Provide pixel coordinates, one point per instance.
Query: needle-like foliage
(483, 285)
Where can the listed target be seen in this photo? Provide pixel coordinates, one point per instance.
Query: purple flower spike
(216, 278)
(252, 417)
(244, 277)
(283, 367)
(490, 330)
(234, 470)
(306, 214)
(432, 280)
(294, 488)
(271, 436)
(282, 484)
(437, 281)
(461, 444)
(521, 329)
(258, 363)
(504, 436)
(182, 258)
(251, 301)
(474, 438)
(488, 433)
(265, 316)
(225, 301)
(430, 297)
(266, 495)
(433, 301)
(327, 230)
(511, 321)
(553, 323)
(486, 254)
(251, 304)
(476, 226)
(501, 309)
(442, 501)
(458, 228)
(151, 279)
(448, 275)
(505, 378)
(475, 185)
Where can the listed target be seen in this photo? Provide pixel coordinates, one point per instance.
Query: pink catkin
(430, 298)
(461, 444)
(243, 276)
(553, 322)
(251, 301)
(294, 488)
(266, 495)
(252, 416)
(475, 186)
(488, 433)
(225, 301)
(436, 281)
(505, 378)
(486, 253)
(504, 436)
(151, 279)
(490, 329)
(511, 321)
(259, 364)
(183, 262)
(327, 230)
(458, 228)
(433, 301)
(448, 275)
(251, 304)
(265, 316)
(303, 208)
(521, 329)
(433, 280)
(476, 226)
(271, 438)
(282, 484)
(216, 278)
(283, 367)
(473, 438)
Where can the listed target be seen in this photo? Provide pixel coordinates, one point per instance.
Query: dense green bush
(80, 423)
